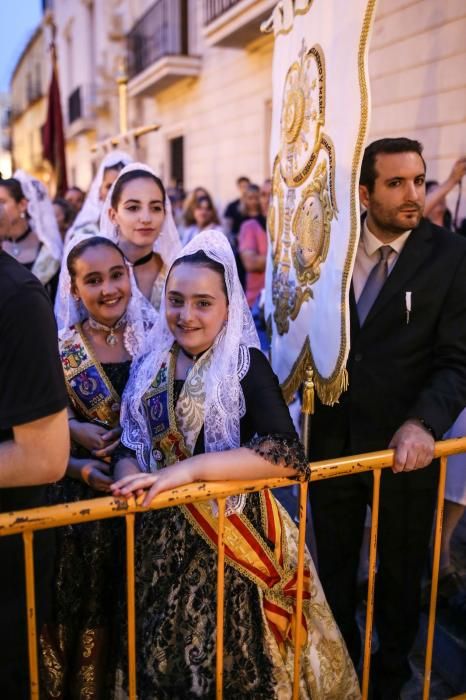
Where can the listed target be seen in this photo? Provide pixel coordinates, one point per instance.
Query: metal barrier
(26, 522)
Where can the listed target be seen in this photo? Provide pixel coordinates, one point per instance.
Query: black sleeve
(444, 396)
(266, 409)
(31, 376)
(230, 211)
(268, 418)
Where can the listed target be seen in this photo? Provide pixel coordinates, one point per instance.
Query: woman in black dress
(34, 238)
(105, 329)
(204, 404)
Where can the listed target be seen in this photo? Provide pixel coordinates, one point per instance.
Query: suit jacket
(399, 370)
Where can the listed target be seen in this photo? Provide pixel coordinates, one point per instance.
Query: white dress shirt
(367, 256)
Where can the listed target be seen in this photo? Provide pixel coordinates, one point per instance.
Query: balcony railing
(234, 23)
(162, 31)
(81, 103)
(215, 8)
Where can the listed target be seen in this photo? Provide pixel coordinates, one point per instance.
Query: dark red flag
(53, 136)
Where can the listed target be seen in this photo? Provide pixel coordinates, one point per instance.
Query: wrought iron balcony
(234, 23)
(162, 31)
(158, 48)
(215, 8)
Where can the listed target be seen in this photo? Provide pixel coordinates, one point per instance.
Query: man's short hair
(387, 145)
(241, 179)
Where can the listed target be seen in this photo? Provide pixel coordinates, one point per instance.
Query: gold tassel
(308, 393)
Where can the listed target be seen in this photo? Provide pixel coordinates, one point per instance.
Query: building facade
(28, 106)
(202, 70)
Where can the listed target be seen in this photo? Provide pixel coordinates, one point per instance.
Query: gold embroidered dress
(76, 649)
(177, 559)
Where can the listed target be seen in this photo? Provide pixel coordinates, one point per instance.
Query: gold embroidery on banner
(311, 228)
(303, 116)
(289, 300)
(301, 237)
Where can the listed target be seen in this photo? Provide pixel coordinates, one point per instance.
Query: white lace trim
(140, 313)
(224, 402)
(42, 216)
(91, 210)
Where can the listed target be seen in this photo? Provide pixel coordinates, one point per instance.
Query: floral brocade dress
(76, 647)
(176, 567)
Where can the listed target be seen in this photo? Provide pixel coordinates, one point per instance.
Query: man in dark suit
(407, 384)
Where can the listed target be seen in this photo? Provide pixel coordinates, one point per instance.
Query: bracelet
(427, 427)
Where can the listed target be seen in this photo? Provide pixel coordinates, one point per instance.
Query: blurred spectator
(190, 202)
(233, 215)
(177, 198)
(75, 198)
(64, 215)
(436, 206)
(252, 240)
(205, 217)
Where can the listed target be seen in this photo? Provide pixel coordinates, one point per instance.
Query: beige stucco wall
(417, 72)
(29, 115)
(417, 66)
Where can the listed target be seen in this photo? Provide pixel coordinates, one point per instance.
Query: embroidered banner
(319, 124)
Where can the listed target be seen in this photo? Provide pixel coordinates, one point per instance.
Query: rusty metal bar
(370, 588)
(299, 586)
(107, 507)
(131, 591)
(220, 599)
(31, 615)
(435, 574)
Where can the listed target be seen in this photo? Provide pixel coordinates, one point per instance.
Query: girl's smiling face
(101, 281)
(196, 306)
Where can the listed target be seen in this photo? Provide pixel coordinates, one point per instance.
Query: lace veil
(224, 400)
(92, 207)
(167, 244)
(140, 314)
(41, 213)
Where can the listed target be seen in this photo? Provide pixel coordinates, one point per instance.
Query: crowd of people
(158, 378)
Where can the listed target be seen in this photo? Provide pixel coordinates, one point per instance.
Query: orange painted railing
(26, 522)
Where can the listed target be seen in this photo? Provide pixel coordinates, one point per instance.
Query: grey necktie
(374, 283)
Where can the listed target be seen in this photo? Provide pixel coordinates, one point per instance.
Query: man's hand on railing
(413, 445)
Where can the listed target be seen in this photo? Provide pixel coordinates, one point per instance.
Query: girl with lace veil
(137, 214)
(34, 239)
(204, 404)
(107, 320)
(87, 220)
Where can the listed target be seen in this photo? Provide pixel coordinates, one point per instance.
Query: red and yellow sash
(264, 560)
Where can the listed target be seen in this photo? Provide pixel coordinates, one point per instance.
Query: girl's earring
(118, 232)
(22, 215)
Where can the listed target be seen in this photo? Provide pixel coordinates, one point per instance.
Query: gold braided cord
(330, 388)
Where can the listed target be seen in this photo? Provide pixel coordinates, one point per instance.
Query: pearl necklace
(111, 338)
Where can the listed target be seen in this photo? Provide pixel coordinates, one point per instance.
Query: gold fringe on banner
(328, 389)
